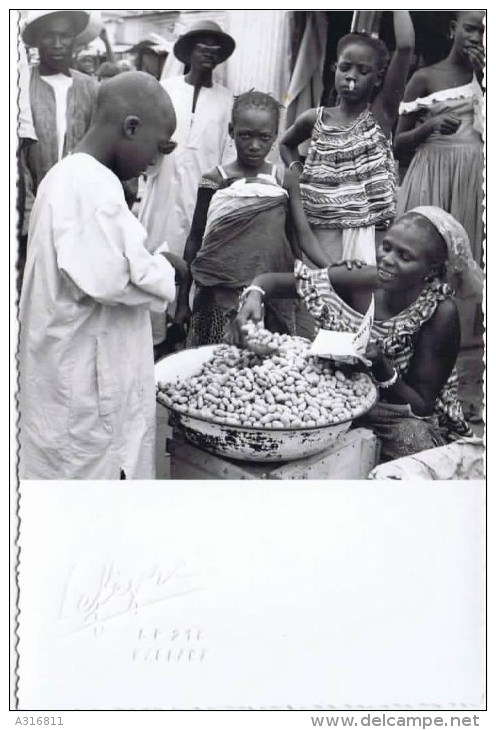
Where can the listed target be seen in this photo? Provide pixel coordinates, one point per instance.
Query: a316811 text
(42, 720)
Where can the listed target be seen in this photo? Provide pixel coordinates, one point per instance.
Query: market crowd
(223, 236)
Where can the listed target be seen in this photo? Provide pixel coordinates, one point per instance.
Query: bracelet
(246, 291)
(295, 162)
(386, 383)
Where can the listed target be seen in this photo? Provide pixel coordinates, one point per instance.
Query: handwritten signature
(115, 593)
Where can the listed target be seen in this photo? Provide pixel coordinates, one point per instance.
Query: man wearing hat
(62, 99)
(203, 111)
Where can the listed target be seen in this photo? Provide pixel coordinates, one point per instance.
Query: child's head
(467, 30)
(254, 125)
(107, 70)
(86, 62)
(360, 67)
(134, 121)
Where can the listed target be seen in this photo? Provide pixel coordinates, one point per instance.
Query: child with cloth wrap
(239, 227)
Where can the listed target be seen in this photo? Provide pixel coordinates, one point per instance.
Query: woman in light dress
(441, 120)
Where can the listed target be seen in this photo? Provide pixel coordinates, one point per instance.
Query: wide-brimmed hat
(93, 29)
(87, 53)
(34, 22)
(154, 43)
(184, 44)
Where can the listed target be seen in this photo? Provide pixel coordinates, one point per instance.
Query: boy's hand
(182, 315)
(180, 266)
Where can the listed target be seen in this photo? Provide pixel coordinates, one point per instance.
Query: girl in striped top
(348, 182)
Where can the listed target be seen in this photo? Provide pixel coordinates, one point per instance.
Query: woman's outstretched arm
(353, 284)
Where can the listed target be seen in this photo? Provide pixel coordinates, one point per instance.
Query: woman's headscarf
(464, 274)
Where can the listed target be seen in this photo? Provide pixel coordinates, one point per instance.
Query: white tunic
(60, 84)
(86, 389)
(202, 143)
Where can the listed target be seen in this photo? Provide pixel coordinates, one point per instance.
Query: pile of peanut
(263, 342)
(286, 390)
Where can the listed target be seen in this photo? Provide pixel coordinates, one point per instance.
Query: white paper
(362, 335)
(251, 595)
(345, 346)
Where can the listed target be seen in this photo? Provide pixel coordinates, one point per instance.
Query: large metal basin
(239, 442)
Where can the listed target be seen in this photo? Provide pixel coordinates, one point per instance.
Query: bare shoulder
(213, 175)
(432, 76)
(300, 130)
(308, 118)
(420, 84)
(331, 115)
(444, 325)
(446, 311)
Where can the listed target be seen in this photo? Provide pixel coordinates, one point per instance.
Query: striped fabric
(349, 179)
(397, 334)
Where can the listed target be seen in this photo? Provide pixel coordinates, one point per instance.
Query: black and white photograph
(249, 280)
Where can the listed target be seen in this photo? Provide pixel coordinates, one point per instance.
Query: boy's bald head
(133, 124)
(134, 94)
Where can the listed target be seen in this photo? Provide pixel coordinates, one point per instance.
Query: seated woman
(416, 334)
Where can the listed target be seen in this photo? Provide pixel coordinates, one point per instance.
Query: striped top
(349, 179)
(397, 334)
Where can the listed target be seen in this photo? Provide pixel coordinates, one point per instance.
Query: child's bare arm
(193, 245)
(300, 131)
(306, 239)
(388, 101)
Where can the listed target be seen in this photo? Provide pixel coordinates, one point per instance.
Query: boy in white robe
(86, 389)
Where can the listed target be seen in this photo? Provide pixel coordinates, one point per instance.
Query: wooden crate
(352, 456)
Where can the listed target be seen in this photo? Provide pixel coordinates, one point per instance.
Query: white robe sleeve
(104, 256)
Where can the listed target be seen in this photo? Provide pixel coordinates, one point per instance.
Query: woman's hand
(381, 368)
(445, 123)
(251, 310)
